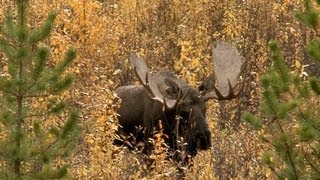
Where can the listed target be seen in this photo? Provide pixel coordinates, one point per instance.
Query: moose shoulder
(182, 108)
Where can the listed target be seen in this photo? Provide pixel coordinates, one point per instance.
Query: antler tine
(146, 85)
(142, 72)
(219, 96)
(231, 89)
(231, 92)
(227, 69)
(185, 95)
(147, 78)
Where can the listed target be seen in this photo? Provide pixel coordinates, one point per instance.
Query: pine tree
(30, 140)
(291, 112)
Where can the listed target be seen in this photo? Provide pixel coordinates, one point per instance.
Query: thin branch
(314, 151)
(35, 96)
(28, 88)
(288, 151)
(6, 34)
(34, 41)
(8, 44)
(299, 108)
(286, 144)
(13, 94)
(274, 171)
(309, 162)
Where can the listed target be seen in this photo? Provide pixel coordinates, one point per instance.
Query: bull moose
(180, 107)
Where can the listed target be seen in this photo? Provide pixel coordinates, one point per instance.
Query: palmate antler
(147, 80)
(227, 68)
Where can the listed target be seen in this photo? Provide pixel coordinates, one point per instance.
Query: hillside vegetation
(175, 35)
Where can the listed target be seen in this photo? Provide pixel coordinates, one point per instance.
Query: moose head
(182, 108)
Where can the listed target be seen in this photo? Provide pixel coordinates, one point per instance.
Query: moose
(180, 107)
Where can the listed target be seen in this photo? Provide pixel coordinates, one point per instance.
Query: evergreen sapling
(32, 135)
(290, 112)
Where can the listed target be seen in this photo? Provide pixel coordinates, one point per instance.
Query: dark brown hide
(138, 109)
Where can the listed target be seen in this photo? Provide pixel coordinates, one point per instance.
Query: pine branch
(299, 108)
(8, 92)
(314, 150)
(7, 44)
(310, 163)
(7, 35)
(275, 172)
(288, 151)
(285, 143)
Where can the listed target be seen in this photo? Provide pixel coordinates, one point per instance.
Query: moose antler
(227, 68)
(146, 79)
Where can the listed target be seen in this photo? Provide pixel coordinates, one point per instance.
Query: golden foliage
(175, 35)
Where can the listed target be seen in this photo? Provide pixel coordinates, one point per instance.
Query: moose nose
(203, 140)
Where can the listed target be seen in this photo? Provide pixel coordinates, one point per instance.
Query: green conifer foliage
(29, 142)
(290, 112)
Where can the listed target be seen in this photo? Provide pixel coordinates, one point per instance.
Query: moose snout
(203, 139)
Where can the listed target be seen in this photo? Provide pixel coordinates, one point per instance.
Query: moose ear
(207, 84)
(173, 88)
